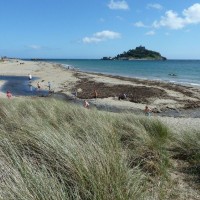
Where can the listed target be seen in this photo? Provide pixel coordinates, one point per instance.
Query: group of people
(9, 94)
(147, 110)
(48, 85)
(86, 104)
(38, 83)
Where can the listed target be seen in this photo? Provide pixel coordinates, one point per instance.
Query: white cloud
(140, 24)
(33, 46)
(91, 40)
(118, 5)
(155, 6)
(101, 36)
(192, 14)
(107, 35)
(173, 21)
(150, 33)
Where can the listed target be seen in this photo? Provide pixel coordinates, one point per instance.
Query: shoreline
(169, 99)
(169, 76)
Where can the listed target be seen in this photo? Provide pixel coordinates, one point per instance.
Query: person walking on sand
(95, 94)
(9, 94)
(147, 111)
(38, 86)
(86, 104)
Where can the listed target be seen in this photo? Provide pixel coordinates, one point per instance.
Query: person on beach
(29, 77)
(122, 96)
(9, 94)
(38, 86)
(75, 93)
(30, 87)
(147, 111)
(95, 94)
(49, 85)
(86, 104)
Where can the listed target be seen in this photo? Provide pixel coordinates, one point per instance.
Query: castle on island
(139, 53)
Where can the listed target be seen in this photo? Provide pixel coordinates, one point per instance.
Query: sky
(92, 29)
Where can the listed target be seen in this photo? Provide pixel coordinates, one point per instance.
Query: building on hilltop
(140, 48)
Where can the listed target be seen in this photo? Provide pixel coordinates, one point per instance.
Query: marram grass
(55, 150)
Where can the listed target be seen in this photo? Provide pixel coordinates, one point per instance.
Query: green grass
(55, 150)
(187, 146)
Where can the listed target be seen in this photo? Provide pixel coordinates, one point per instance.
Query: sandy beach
(176, 105)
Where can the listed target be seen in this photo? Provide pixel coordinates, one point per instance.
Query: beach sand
(174, 104)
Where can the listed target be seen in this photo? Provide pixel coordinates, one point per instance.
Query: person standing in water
(29, 77)
(38, 86)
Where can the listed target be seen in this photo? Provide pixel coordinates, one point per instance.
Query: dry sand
(159, 96)
(44, 71)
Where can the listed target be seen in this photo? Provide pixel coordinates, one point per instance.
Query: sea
(186, 72)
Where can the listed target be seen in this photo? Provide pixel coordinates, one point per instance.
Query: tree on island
(136, 54)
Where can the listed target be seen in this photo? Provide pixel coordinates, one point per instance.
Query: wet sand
(164, 98)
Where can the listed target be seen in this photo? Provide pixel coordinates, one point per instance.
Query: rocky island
(139, 53)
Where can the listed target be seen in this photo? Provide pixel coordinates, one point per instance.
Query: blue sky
(97, 28)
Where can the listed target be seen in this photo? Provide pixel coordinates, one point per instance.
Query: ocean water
(185, 72)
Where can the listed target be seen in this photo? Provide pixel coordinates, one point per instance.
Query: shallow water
(20, 86)
(193, 113)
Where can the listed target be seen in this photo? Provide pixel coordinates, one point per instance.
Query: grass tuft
(55, 150)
